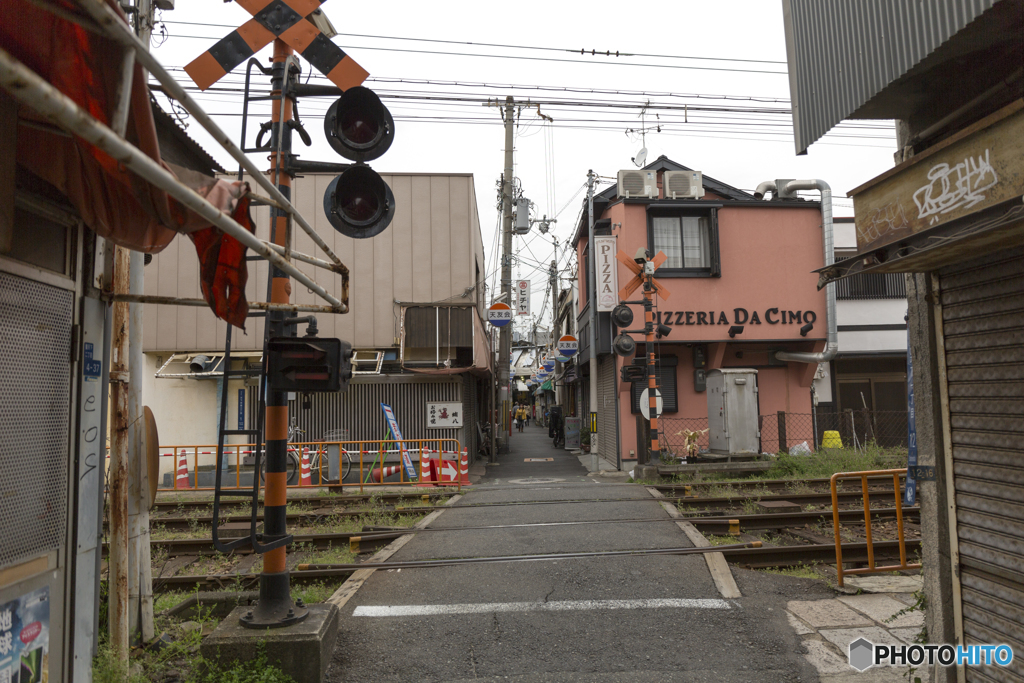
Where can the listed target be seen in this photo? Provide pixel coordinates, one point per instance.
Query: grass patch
(800, 571)
(827, 462)
(722, 540)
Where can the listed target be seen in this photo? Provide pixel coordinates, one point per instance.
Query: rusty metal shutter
(607, 420)
(983, 325)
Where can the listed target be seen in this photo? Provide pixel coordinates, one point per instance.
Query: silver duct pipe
(764, 188)
(832, 346)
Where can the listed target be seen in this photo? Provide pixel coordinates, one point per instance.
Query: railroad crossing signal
(288, 20)
(640, 275)
(308, 365)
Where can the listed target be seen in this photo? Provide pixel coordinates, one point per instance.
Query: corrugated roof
(841, 54)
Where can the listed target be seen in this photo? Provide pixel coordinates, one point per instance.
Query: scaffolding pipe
(117, 30)
(257, 305)
(306, 258)
(28, 88)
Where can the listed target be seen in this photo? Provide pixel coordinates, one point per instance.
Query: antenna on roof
(641, 157)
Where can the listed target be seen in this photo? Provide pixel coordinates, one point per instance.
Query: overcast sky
(739, 147)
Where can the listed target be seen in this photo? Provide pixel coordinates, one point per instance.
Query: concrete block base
(646, 472)
(303, 651)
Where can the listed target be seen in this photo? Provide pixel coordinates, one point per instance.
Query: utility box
(732, 411)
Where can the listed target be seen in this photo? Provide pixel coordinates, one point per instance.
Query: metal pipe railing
(871, 568)
(30, 89)
(115, 29)
(317, 455)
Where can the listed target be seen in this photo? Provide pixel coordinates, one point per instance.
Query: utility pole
(140, 578)
(552, 338)
(592, 305)
(505, 347)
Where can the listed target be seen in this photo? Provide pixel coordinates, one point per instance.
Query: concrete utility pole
(140, 578)
(553, 335)
(505, 347)
(592, 304)
(118, 473)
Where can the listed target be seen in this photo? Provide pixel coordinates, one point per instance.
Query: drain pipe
(832, 346)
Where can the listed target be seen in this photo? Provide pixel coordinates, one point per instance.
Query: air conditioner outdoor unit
(683, 184)
(638, 184)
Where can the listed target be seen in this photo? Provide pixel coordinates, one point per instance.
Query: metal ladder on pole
(254, 539)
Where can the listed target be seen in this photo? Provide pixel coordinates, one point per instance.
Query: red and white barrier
(427, 473)
(464, 468)
(304, 478)
(181, 481)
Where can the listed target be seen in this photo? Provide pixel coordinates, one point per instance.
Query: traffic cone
(304, 477)
(181, 481)
(388, 472)
(464, 468)
(427, 476)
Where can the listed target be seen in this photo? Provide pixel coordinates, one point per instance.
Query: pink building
(739, 274)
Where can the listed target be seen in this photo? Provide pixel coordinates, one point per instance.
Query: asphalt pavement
(619, 618)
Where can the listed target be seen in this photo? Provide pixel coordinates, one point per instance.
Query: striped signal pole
(652, 380)
(275, 604)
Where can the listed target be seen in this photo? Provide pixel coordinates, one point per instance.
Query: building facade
(416, 324)
(740, 288)
(949, 215)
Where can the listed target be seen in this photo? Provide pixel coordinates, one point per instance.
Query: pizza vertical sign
(607, 274)
(522, 297)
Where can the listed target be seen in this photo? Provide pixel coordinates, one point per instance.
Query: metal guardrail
(871, 568)
(372, 456)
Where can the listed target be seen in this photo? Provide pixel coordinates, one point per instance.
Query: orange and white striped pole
(652, 380)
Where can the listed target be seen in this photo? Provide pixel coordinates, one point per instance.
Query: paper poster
(25, 638)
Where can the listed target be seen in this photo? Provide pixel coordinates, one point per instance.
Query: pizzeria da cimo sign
(738, 316)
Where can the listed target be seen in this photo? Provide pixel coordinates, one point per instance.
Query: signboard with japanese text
(499, 314)
(25, 638)
(522, 297)
(606, 269)
(568, 345)
(444, 416)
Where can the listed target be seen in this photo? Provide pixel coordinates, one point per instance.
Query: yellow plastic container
(831, 440)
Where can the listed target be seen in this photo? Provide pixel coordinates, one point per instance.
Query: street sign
(645, 404)
(499, 314)
(549, 365)
(308, 364)
(567, 345)
(562, 359)
(523, 297)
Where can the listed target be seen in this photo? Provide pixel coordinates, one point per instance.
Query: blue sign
(241, 408)
(25, 637)
(92, 369)
(396, 434)
(911, 492)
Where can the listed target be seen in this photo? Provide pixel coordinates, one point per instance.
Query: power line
(532, 59)
(598, 53)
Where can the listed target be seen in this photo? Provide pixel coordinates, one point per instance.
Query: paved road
(627, 618)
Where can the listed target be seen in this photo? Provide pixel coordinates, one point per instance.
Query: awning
(113, 201)
(547, 386)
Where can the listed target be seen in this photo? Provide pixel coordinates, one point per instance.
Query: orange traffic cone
(464, 468)
(304, 477)
(181, 481)
(388, 472)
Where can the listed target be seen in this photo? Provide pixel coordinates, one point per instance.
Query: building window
(689, 240)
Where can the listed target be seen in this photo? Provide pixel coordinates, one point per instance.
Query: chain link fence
(782, 431)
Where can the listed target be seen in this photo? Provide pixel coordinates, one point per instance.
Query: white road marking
(555, 606)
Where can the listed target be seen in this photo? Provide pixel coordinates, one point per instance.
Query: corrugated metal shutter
(983, 324)
(357, 410)
(607, 420)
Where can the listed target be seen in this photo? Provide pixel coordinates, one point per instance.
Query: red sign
(31, 632)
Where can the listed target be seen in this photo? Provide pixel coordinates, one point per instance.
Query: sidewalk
(621, 618)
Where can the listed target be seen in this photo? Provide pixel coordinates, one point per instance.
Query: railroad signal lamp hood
(358, 126)
(358, 203)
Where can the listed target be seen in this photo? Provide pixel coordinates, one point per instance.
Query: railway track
(753, 558)
(315, 501)
(881, 482)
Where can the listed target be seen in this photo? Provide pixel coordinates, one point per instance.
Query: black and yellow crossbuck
(288, 20)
